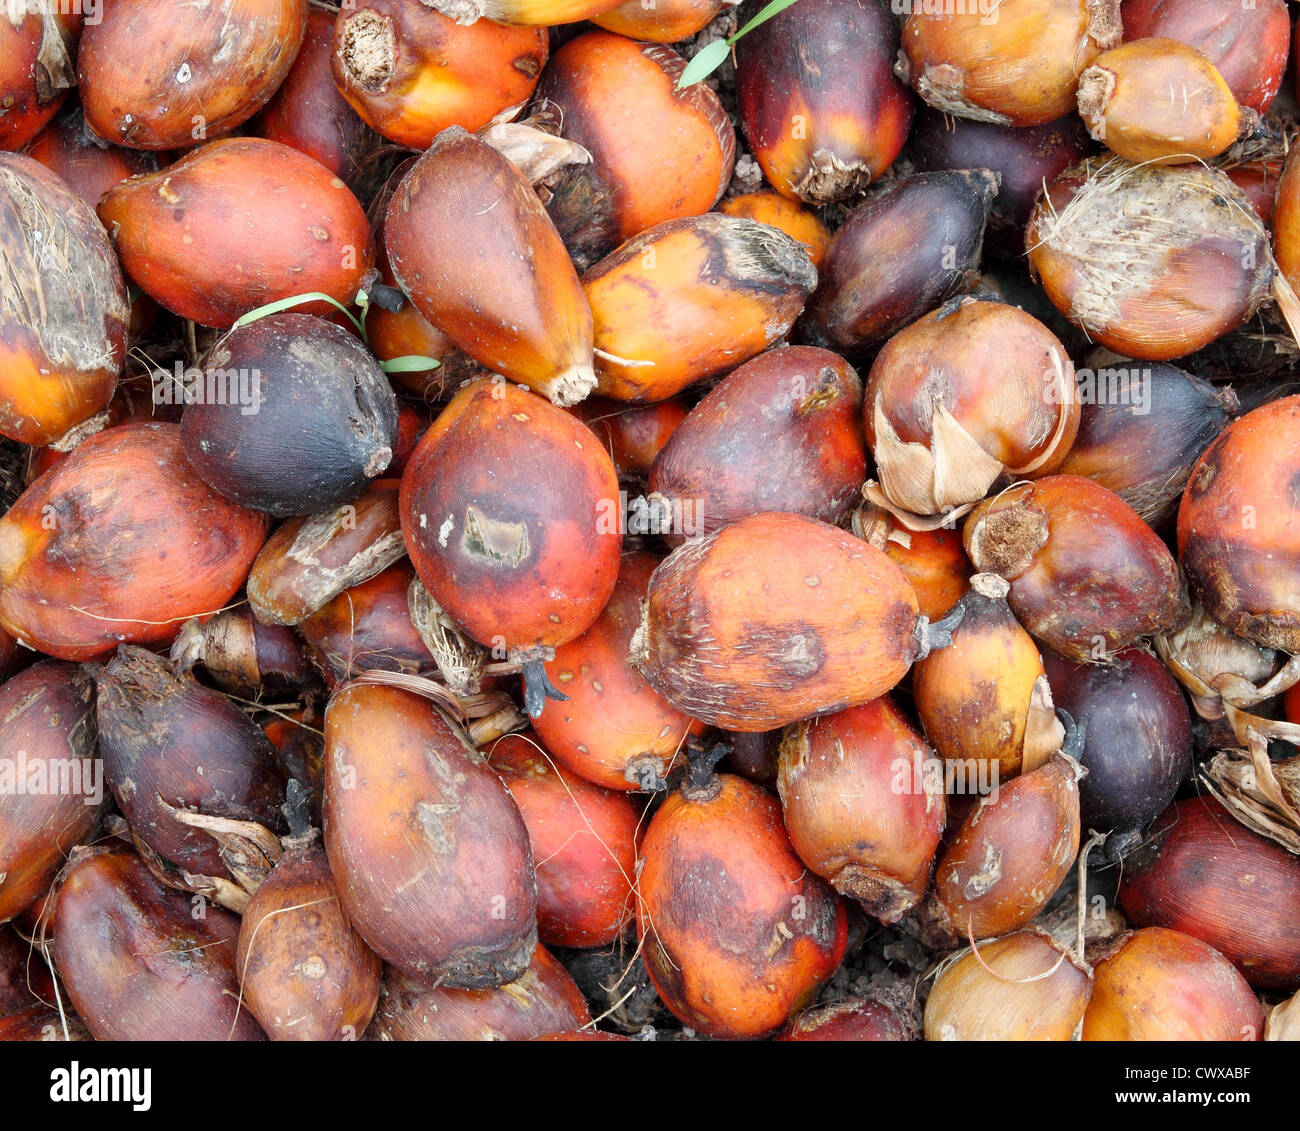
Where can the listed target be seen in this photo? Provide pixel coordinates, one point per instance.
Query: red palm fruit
(368, 628)
(310, 560)
(970, 392)
(777, 211)
(1247, 43)
(1238, 538)
(24, 977)
(1016, 64)
(1088, 576)
(411, 72)
(985, 701)
(1159, 985)
(305, 974)
(309, 114)
(1204, 874)
(775, 618)
(63, 310)
(51, 782)
(143, 962)
(856, 1019)
(506, 512)
(151, 81)
(690, 299)
(542, 998)
(658, 151)
(781, 433)
(1008, 857)
(862, 797)
(613, 728)
(75, 584)
(936, 565)
(428, 850)
(582, 1035)
(170, 743)
(236, 224)
(584, 842)
(36, 72)
(819, 103)
(664, 21)
(634, 435)
(1258, 181)
(497, 281)
(87, 165)
(736, 933)
(906, 249)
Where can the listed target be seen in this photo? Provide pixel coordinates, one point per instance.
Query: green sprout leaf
(410, 363)
(715, 54)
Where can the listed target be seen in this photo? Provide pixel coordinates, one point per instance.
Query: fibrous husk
(535, 148)
(1283, 1021)
(1263, 795)
(1226, 674)
(460, 660)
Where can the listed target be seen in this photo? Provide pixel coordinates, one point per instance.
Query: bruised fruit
(508, 511)
(427, 849)
(137, 963)
(151, 80)
(74, 585)
(775, 618)
(36, 71)
(736, 933)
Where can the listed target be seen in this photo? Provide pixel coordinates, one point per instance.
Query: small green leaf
(411, 363)
(773, 9)
(705, 63)
(289, 303)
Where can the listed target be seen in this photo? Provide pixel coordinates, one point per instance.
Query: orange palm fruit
(36, 71)
(1124, 100)
(985, 698)
(83, 162)
(236, 224)
(508, 510)
(1016, 63)
(63, 312)
(527, 13)
(151, 81)
(657, 152)
(411, 72)
(736, 933)
(777, 211)
(775, 618)
(584, 842)
(690, 299)
(613, 728)
(863, 804)
(819, 104)
(664, 21)
(119, 542)
(495, 278)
